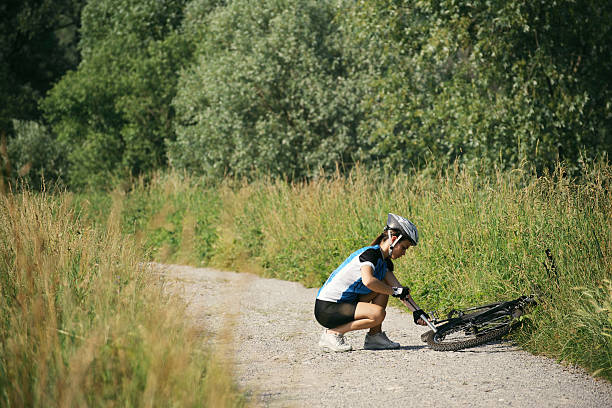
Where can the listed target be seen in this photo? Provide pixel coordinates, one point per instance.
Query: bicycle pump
(412, 305)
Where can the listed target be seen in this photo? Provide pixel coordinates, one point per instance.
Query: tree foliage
(37, 45)
(114, 113)
(289, 87)
(34, 155)
(268, 92)
(493, 81)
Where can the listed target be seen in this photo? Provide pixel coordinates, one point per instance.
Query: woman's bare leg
(380, 300)
(369, 314)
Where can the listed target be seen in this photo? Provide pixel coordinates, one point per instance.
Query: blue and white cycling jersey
(344, 285)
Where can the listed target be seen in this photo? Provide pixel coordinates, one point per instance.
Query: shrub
(268, 93)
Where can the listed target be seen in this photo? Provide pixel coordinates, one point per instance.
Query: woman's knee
(379, 315)
(370, 311)
(381, 300)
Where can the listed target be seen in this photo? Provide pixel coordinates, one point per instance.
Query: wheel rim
(468, 330)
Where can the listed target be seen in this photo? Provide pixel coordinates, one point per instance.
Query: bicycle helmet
(406, 229)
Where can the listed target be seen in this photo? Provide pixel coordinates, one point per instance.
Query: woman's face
(400, 249)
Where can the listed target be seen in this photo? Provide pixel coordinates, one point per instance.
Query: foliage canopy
(114, 113)
(268, 93)
(498, 81)
(288, 88)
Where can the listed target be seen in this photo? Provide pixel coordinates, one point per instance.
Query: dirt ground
(269, 335)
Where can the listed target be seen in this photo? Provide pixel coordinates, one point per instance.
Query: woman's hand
(400, 292)
(417, 317)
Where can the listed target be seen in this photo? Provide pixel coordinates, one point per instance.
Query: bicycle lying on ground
(478, 325)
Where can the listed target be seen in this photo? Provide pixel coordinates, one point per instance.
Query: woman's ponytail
(379, 239)
(385, 235)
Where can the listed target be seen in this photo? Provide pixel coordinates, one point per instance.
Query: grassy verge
(483, 238)
(83, 322)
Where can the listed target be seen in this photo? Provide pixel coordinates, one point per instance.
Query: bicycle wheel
(472, 330)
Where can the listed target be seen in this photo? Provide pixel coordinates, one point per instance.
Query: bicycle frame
(474, 326)
(475, 318)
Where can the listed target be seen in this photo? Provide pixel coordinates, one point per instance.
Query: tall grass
(172, 218)
(482, 238)
(83, 322)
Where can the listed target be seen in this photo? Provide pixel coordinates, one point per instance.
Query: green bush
(35, 156)
(484, 81)
(267, 93)
(290, 88)
(114, 113)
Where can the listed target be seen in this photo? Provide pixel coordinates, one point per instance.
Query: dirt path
(278, 363)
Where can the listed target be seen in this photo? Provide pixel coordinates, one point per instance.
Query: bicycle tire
(439, 340)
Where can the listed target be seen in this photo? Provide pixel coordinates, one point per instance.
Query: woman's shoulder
(370, 253)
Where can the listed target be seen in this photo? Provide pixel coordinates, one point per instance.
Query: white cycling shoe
(333, 342)
(379, 341)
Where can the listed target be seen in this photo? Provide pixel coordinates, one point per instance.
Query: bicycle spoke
(470, 330)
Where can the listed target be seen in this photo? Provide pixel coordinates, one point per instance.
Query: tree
(268, 92)
(487, 82)
(114, 113)
(38, 43)
(35, 156)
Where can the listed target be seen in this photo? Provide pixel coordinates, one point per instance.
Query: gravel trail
(273, 339)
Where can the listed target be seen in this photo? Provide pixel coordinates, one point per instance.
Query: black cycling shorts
(332, 314)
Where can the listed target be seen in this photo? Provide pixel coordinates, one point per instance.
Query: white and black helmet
(405, 228)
